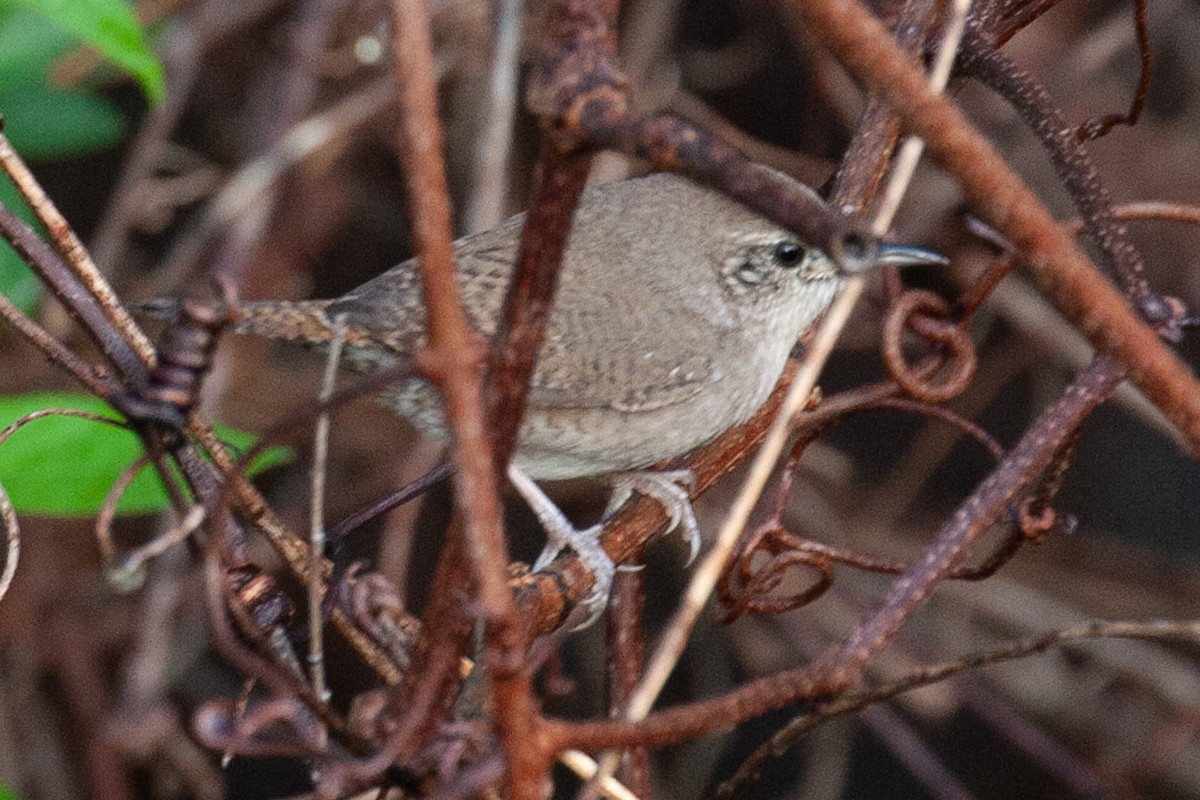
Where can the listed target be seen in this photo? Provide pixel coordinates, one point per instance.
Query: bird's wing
(390, 308)
(605, 346)
(614, 350)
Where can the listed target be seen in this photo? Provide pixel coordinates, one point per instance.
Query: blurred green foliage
(107, 25)
(46, 123)
(64, 466)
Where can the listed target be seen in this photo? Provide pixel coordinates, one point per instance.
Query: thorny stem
(1071, 160)
(1062, 271)
(1166, 630)
(1019, 469)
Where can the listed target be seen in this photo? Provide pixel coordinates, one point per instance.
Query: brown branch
(75, 298)
(1166, 630)
(1064, 274)
(625, 634)
(454, 354)
(530, 297)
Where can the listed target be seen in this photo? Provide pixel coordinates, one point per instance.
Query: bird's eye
(787, 254)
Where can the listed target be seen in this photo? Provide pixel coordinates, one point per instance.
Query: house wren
(676, 311)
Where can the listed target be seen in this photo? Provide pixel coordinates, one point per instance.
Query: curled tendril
(122, 573)
(1034, 515)
(12, 534)
(371, 601)
(929, 317)
(749, 585)
(1035, 520)
(256, 732)
(126, 572)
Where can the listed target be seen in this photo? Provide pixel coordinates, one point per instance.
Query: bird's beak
(901, 255)
(890, 254)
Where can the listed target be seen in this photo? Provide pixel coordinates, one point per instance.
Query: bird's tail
(289, 320)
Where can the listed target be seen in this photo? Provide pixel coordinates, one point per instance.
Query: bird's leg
(561, 533)
(668, 488)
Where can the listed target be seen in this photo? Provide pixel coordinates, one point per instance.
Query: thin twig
(74, 296)
(585, 767)
(316, 531)
(485, 208)
(55, 351)
(454, 355)
(1072, 162)
(71, 249)
(1165, 630)
(128, 572)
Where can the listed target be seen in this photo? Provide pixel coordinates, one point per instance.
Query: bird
(676, 310)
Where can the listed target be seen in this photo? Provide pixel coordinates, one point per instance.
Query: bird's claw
(586, 544)
(560, 533)
(672, 490)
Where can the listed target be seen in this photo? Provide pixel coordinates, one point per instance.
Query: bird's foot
(560, 533)
(671, 489)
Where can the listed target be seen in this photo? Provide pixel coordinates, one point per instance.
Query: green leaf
(46, 124)
(17, 281)
(7, 793)
(111, 28)
(64, 466)
(28, 45)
